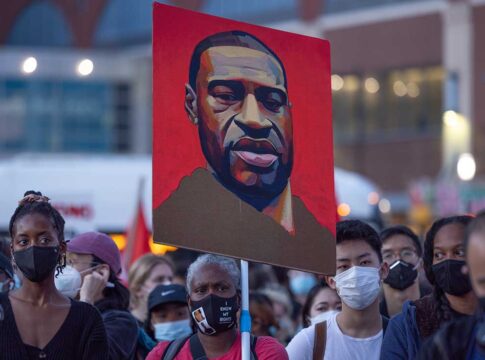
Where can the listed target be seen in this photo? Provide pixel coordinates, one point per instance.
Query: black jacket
(451, 342)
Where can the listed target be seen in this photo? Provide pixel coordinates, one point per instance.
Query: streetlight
(456, 141)
(85, 67)
(29, 65)
(466, 167)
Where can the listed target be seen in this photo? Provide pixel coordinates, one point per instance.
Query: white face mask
(172, 330)
(358, 286)
(324, 316)
(68, 282)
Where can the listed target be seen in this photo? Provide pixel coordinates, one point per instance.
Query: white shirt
(338, 347)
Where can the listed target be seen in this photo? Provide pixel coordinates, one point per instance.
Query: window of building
(64, 116)
(389, 105)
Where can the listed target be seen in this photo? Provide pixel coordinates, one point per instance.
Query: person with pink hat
(96, 258)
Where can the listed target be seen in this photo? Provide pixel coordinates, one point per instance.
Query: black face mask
(401, 275)
(215, 314)
(450, 279)
(37, 262)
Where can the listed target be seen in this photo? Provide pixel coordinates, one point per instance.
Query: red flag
(137, 237)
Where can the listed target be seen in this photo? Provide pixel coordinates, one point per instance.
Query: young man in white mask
(356, 332)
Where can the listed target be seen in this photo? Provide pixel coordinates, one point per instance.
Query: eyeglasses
(406, 255)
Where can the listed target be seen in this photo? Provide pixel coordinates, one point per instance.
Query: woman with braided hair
(452, 296)
(36, 320)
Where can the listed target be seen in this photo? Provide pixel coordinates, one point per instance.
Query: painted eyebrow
(238, 85)
(233, 84)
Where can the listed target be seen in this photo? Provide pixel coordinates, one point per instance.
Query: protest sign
(242, 141)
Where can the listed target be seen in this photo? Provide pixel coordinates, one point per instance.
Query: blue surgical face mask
(301, 284)
(172, 330)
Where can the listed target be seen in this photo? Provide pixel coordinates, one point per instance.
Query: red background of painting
(176, 148)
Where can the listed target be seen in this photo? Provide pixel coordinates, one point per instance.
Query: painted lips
(259, 153)
(261, 160)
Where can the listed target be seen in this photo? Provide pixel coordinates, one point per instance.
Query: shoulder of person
(86, 310)
(427, 301)
(121, 322)
(451, 341)
(458, 332)
(269, 348)
(120, 315)
(158, 351)
(407, 314)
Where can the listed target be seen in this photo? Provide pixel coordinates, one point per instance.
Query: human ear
(191, 104)
(331, 282)
(384, 270)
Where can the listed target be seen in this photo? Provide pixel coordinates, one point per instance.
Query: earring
(196, 120)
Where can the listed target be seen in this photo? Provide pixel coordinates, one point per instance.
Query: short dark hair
(402, 230)
(228, 38)
(351, 230)
(476, 225)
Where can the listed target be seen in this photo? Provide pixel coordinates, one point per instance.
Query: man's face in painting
(243, 115)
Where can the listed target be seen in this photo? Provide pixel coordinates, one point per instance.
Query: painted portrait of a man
(237, 97)
(239, 200)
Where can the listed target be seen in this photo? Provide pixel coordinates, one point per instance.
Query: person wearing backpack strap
(357, 331)
(213, 285)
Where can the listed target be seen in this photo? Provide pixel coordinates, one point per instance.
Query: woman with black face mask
(213, 284)
(464, 338)
(37, 321)
(452, 296)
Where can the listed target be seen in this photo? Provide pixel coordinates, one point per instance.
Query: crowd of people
(392, 297)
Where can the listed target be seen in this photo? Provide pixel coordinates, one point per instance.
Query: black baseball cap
(163, 294)
(6, 266)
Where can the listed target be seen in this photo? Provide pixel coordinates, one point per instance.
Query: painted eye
(273, 101)
(225, 95)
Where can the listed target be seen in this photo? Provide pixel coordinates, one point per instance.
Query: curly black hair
(443, 306)
(43, 207)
